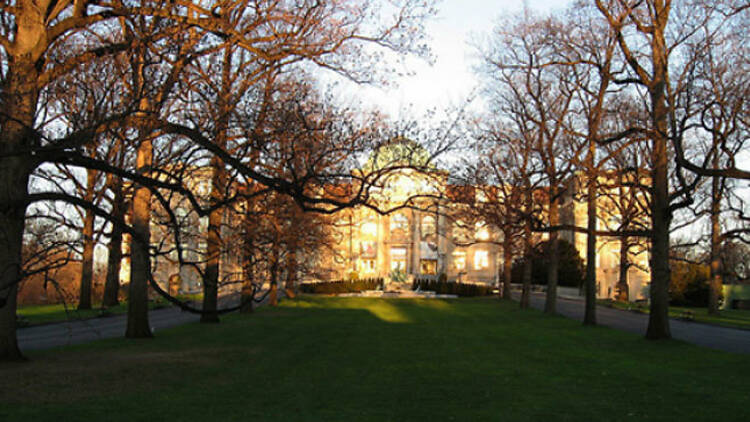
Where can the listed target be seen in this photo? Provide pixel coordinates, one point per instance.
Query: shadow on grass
(377, 359)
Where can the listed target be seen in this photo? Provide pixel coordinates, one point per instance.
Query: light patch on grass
(387, 312)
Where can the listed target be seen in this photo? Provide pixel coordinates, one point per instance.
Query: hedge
(571, 269)
(443, 287)
(341, 286)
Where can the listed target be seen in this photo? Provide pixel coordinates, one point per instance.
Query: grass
(732, 318)
(46, 314)
(358, 359)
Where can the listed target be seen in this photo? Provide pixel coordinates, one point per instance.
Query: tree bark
(87, 262)
(211, 277)
(658, 322)
(291, 274)
(589, 316)
(114, 257)
(716, 270)
(273, 296)
(528, 250)
(247, 295)
(623, 290)
(507, 266)
(553, 254)
(140, 260)
(19, 97)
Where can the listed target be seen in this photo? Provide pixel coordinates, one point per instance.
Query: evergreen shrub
(341, 286)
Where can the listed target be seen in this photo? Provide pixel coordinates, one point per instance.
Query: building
(417, 227)
(419, 242)
(618, 206)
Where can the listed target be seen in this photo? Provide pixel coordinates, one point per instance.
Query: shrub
(341, 286)
(571, 270)
(688, 285)
(443, 287)
(397, 276)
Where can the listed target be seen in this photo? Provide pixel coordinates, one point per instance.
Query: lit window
(482, 232)
(428, 266)
(459, 260)
(368, 265)
(369, 229)
(398, 259)
(481, 260)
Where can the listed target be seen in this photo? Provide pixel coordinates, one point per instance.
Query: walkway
(721, 338)
(76, 332)
(81, 331)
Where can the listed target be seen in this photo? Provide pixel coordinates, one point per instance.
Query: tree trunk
(623, 291)
(19, 97)
(716, 281)
(291, 274)
(247, 295)
(87, 263)
(114, 257)
(526, 289)
(273, 296)
(214, 247)
(218, 183)
(507, 266)
(589, 316)
(140, 260)
(553, 254)
(658, 321)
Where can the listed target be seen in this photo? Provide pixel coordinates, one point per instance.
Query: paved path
(83, 331)
(728, 339)
(75, 332)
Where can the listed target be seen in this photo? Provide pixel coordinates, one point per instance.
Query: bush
(397, 276)
(688, 285)
(444, 287)
(341, 286)
(571, 270)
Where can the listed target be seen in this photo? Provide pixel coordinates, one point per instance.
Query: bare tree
(35, 42)
(538, 95)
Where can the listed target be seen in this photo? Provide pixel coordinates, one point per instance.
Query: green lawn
(356, 359)
(733, 318)
(45, 314)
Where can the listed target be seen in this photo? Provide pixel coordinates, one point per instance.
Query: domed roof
(398, 152)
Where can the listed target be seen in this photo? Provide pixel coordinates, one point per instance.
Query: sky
(450, 80)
